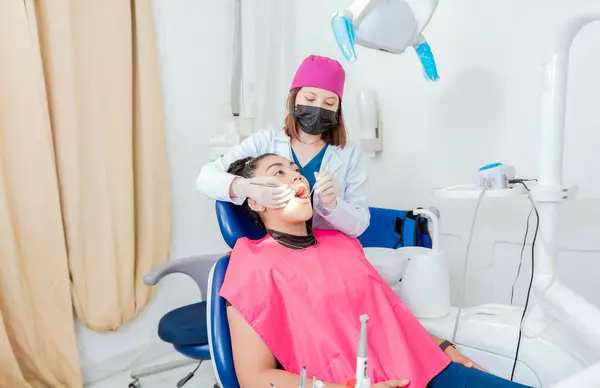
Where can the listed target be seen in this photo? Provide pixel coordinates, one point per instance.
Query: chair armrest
(196, 267)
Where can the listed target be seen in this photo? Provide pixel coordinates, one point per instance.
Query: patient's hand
(459, 358)
(391, 384)
(351, 383)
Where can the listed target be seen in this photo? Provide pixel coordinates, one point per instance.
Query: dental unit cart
(560, 346)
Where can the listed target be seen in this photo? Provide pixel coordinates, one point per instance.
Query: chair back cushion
(391, 228)
(218, 328)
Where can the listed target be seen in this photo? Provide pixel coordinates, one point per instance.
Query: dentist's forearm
(283, 379)
(232, 193)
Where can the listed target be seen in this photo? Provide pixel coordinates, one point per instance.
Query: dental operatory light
(386, 25)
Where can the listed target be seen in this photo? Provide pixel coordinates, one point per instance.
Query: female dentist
(315, 139)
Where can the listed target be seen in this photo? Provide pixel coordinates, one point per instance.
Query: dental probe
(324, 169)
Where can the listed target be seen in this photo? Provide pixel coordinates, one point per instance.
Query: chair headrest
(235, 223)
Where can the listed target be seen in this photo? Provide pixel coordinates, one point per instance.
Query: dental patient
(295, 296)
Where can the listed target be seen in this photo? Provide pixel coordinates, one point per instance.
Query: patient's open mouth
(301, 192)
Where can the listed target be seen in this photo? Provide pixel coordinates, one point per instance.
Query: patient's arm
(437, 340)
(456, 356)
(255, 365)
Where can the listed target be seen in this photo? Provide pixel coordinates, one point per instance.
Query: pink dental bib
(305, 305)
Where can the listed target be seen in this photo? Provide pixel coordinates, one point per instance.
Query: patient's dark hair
(245, 168)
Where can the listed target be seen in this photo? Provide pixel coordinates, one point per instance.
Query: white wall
(485, 108)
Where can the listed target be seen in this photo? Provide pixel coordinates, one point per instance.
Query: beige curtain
(84, 197)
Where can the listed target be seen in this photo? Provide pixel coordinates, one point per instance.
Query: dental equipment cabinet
(569, 322)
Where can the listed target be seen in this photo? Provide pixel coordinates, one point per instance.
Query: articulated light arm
(423, 10)
(360, 8)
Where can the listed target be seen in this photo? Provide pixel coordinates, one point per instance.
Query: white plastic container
(418, 275)
(425, 285)
(390, 263)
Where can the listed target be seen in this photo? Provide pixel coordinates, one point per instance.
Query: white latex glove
(267, 191)
(327, 189)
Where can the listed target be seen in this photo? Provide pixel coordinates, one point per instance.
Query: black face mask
(314, 120)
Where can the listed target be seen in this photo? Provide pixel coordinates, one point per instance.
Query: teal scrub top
(314, 165)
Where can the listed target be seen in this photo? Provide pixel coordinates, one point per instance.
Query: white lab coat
(351, 215)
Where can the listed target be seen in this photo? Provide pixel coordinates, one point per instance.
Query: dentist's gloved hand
(327, 189)
(267, 191)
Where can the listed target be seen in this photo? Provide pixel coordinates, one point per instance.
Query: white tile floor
(203, 378)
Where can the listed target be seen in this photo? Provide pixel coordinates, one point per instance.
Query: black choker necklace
(292, 241)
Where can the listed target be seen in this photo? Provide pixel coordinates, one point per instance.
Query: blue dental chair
(388, 229)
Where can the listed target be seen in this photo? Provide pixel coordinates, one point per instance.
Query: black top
(292, 241)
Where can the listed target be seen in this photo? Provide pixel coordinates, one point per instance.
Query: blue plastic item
(490, 166)
(427, 61)
(343, 31)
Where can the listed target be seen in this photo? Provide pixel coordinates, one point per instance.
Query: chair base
(137, 375)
